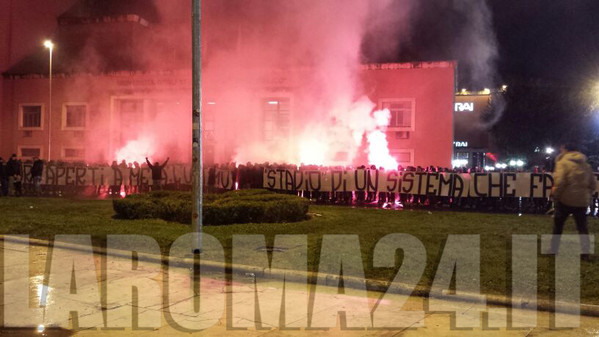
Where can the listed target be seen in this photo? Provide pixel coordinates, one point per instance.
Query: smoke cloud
(282, 78)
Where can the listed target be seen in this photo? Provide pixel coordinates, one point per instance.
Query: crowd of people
(250, 176)
(12, 176)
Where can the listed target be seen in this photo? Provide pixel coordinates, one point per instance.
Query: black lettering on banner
(357, 174)
(60, 173)
(533, 185)
(508, 189)
(270, 178)
(430, 185)
(289, 181)
(175, 178)
(408, 177)
(69, 175)
(393, 178)
(446, 180)
(224, 179)
(373, 187)
(50, 176)
(27, 179)
(134, 177)
(420, 175)
(280, 173)
(80, 173)
(547, 185)
(493, 187)
(458, 186)
(187, 175)
(475, 180)
(298, 181)
(310, 184)
(337, 181)
(93, 171)
(117, 177)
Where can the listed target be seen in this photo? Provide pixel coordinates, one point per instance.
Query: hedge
(244, 206)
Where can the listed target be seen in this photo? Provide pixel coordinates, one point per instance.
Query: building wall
(105, 130)
(432, 90)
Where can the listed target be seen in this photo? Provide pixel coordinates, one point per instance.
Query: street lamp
(50, 46)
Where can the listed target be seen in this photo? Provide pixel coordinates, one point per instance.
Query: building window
(405, 157)
(31, 116)
(276, 112)
(74, 153)
(74, 116)
(402, 135)
(30, 151)
(402, 113)
(462, 155)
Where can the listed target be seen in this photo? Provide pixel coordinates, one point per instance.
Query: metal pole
(197, 123)
(50, 107)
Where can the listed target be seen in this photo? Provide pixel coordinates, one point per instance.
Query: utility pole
(197, 167)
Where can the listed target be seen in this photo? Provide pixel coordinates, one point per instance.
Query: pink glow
(136, 150)
(378, 147)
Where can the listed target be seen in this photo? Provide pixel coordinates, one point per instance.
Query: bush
(244, 206)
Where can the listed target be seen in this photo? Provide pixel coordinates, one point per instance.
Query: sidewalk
(226, 308)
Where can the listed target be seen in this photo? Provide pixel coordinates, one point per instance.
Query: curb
(312, 277)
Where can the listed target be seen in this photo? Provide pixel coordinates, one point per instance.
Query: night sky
(555, 40)
(549, 39)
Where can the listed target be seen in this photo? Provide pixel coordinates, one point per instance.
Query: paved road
(41, 291)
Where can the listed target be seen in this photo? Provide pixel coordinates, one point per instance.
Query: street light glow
(49, 44)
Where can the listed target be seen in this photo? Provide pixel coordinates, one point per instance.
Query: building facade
(111, 101)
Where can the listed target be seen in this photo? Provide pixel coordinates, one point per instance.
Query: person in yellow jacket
(573, 186)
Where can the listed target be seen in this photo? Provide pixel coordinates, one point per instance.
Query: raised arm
(166, 162)
(149, 164)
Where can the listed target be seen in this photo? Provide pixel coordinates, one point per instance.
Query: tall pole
(197, 123)
(48, 44)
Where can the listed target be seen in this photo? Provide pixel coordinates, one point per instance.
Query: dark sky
(554, 40)
(549, 39)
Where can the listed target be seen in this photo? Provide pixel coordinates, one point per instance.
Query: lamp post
(50, 46)
(198, 177)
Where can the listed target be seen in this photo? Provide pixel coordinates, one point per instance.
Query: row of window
(30, 151)
(276, 112)
(74, 116)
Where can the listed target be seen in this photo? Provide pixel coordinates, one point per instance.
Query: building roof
(95, 11)
(95, 47)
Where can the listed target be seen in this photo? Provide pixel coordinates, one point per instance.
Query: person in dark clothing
(157, 173)
(13, 169)
(574, 185)
(3, 178)
(36, 175)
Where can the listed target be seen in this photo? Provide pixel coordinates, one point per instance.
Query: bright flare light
(549, 150)
(378, 147)
(48, 44)
(519, 163)
(378, 151)
(312, 152)
(136, 150)
(512, 163)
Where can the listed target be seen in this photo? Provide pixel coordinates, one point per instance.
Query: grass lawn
(43, 218)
